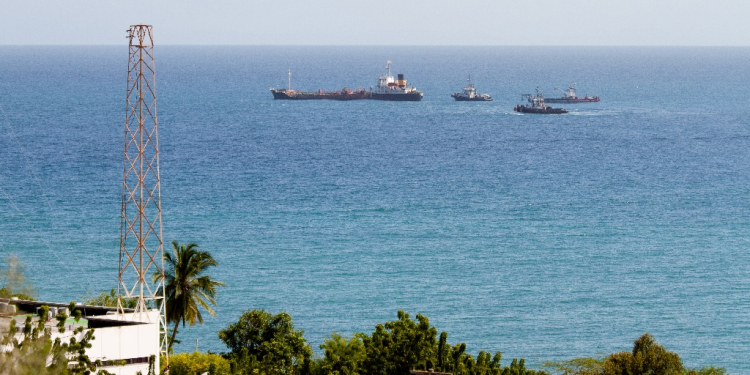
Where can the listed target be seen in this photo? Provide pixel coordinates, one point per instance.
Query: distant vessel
(470, 94)
(396, 90)
(344, 94)
(570, 97)
(538, 105)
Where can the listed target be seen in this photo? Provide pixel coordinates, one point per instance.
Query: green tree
(396, 347)
(263, 343)
(399, 346)
(186, 285)
(342, 356)
(647, 358)
(442, 352)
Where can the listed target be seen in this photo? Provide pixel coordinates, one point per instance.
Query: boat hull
(540, 111)
(409, 97)
(284, 95)
(474, 99)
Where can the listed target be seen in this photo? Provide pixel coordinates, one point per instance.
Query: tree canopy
(267, 343)
(342, 356)
(646, 358)
(398, 346)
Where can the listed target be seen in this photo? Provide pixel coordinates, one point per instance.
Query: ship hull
(410, 97)
(474, 99)
(357, 95)
(571, 101)
(540, 111)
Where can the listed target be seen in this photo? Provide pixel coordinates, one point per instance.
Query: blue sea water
(545, 237)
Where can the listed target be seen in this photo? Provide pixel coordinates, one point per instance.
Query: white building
(129, 337)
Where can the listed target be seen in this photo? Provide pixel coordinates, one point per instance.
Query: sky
(384, 22)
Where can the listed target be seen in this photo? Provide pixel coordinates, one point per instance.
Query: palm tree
(185, 285)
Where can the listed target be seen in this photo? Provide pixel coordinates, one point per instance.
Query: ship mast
(290, 80)
(389, 68)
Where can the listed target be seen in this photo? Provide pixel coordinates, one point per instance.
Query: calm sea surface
(546, 237)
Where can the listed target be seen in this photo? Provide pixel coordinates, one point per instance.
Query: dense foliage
(109, 299)
(342, 356)
(707, 370)
(263, 343)
(646, 358)
(198, 363)
(398, 346)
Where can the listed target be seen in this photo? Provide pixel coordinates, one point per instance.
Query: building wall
(127, 342)
(129, 369)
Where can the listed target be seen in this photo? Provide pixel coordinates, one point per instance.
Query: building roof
(91, 316)
(86, 310)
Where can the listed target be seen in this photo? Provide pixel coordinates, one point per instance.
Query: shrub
(198, 363)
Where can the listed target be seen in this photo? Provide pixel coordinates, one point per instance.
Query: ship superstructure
(570, 97)
(470, 94)
(538, 105)
(396, 90)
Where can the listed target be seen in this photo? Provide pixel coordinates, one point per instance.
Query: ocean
(544, 237)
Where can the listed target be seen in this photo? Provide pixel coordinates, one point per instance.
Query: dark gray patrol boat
(538, 106)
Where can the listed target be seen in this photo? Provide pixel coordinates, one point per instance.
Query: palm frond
(187, 287)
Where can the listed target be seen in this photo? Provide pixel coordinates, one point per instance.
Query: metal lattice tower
(141, 244)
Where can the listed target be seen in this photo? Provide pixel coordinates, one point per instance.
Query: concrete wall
(119, 342)
(125, 342)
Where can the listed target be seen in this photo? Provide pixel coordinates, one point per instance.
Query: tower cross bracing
(141, 243)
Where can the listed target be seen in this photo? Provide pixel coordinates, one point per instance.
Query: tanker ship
(396, 90)
(344, 94)
(570, 97)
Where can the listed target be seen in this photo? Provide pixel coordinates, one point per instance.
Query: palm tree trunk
(174, 333)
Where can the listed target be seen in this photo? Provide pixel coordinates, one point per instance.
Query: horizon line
(402, 45)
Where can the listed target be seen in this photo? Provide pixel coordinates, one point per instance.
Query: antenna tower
(141, 244)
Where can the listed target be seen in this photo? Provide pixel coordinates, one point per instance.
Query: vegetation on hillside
(263, 343)
(646, 358)
(198, 363)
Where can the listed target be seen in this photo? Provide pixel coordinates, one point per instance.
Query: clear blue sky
(385, 22)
